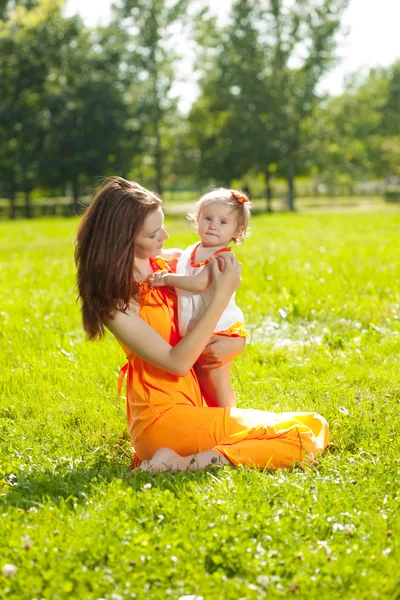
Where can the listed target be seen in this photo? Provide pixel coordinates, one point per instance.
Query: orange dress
(167, 411)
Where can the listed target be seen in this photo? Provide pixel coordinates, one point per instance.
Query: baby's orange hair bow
(241, 197)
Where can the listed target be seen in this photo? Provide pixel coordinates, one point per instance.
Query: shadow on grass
(75, 485)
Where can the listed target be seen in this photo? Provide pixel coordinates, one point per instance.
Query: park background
(321, 296)
(183, 96)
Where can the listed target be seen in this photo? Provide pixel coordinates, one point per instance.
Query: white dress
(192, 305)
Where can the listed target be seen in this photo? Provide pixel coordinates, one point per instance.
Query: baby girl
(221, 217)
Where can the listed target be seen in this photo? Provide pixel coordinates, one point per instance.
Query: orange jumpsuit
(167, 411)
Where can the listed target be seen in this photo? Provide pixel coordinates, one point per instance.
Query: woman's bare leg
(215, 385)
(166, 459)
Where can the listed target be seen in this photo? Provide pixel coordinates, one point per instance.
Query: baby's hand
(158, 279)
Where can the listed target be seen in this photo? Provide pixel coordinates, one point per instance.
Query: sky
(372, 40)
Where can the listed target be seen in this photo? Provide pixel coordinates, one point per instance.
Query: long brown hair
(105, 250)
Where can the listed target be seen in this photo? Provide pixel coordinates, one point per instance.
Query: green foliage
(80, 103)
(89, 132)
(391, 154)
(27, 40)
(321, 298)
(391, 121)
(229, 113)
(392, 194)
(254, 102)
(358, 132)
(8, 6)
(62, 117)
(152, 35)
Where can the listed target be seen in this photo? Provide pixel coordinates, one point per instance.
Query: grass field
(321, 297)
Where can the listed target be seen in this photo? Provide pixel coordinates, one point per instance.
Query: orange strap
(127, 368)
(204, 262)
(136, 462)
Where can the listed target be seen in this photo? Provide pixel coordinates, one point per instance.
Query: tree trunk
(158, 155)
(154, 72)
(75, 196)
(11, 197)
(28, 205)
(268, 188)
(291, 189)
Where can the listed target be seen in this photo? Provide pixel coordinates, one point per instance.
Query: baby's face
(217, 224)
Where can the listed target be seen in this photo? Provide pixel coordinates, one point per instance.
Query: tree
(88, 128)
(391, 109)
(354, 130)
(7, 6)
(63, 113)
(391, 122)
(28, 40)
(304, 41)
(278, 50)
(151, 57)
(231, 112)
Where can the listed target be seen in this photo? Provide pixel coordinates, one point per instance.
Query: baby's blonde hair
(239, 201)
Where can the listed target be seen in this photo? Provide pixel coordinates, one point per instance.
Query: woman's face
(149, 241)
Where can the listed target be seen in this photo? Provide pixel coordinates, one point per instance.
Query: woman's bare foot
(163, 459)
(166, 459)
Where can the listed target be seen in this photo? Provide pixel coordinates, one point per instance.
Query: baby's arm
(190, 283)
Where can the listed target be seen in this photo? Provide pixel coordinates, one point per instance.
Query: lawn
(321, 297)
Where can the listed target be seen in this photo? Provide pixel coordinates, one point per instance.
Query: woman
(119, 244)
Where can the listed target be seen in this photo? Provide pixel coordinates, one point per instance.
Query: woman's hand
(219, 350)
(225, 273)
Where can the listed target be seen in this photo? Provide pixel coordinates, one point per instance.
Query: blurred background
(295, 101)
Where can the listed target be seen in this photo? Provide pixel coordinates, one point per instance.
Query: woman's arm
(145, 342)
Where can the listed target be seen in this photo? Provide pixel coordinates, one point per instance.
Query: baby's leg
(215, 385)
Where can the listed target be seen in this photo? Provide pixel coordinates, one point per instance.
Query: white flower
(263, 580)
(9, 570)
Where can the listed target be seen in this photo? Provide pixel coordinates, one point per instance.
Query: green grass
(321, 296)
(180, 202)
(304, 204)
